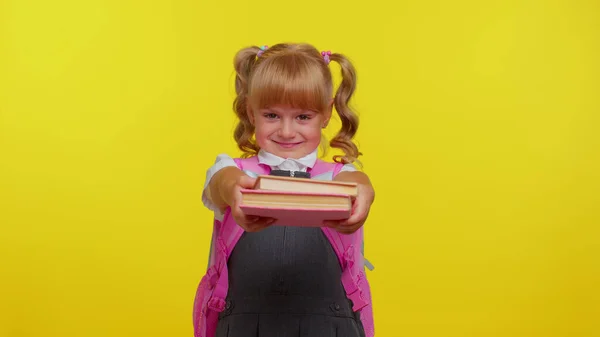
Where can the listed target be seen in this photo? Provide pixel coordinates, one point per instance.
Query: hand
(360, 211)
(232, 195)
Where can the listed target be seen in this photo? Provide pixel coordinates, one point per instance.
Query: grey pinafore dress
(286, 282)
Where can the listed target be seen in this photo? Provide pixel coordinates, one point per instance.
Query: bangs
(290, 80)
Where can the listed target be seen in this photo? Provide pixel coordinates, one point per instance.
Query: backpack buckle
(217, 304)
(354, 291)
(358, 301)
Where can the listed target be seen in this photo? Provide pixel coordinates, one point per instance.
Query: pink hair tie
(326, 55)
(262, 50)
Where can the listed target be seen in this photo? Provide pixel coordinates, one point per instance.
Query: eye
(270, 115)
(304, 117)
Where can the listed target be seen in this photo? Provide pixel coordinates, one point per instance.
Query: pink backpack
(212, 290)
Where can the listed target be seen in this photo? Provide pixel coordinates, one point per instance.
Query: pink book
(296, 208)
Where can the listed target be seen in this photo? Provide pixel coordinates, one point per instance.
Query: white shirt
(264, 157)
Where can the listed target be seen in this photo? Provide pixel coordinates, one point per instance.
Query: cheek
(312, 133)
(262, 131)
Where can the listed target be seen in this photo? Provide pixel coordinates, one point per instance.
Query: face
(288, 132)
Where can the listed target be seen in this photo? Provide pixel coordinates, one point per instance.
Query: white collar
(291, 164)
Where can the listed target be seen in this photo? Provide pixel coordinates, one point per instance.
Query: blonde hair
(295, 75)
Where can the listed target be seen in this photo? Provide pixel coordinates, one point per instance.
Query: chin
(296, 152)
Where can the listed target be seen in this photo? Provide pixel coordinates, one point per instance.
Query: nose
(287, 130)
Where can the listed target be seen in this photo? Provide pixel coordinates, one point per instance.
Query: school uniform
(284, 281)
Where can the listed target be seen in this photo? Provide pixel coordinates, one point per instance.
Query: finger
(352, 220)
(261, 224)
(246, 182)
(359, 212)
(251, 219)
(241, 217)
(349, 229)
(235, 201)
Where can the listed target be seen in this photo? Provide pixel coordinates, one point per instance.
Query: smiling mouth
(287, 145)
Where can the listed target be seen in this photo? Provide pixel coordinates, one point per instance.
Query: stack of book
(299, 201)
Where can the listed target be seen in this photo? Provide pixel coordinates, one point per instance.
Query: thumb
(247, 181)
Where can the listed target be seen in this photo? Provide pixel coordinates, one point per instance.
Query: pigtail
(349, 119)
(243, 63)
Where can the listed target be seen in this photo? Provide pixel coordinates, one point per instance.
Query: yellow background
(480, 129)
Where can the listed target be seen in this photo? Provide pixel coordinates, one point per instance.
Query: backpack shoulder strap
(252, 166)
(348, 250)
(322, 167)
(230, 232)
(337, 169)
(225, 240)
(215, 285)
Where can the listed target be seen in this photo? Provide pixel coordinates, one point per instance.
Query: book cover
(296, 208)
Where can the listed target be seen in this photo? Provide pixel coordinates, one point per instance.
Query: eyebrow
(299, 110)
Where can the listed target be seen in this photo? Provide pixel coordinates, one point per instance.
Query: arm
(354, 177)
(224, 190)
(219, 189)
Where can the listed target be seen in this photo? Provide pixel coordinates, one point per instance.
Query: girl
(274, 281)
